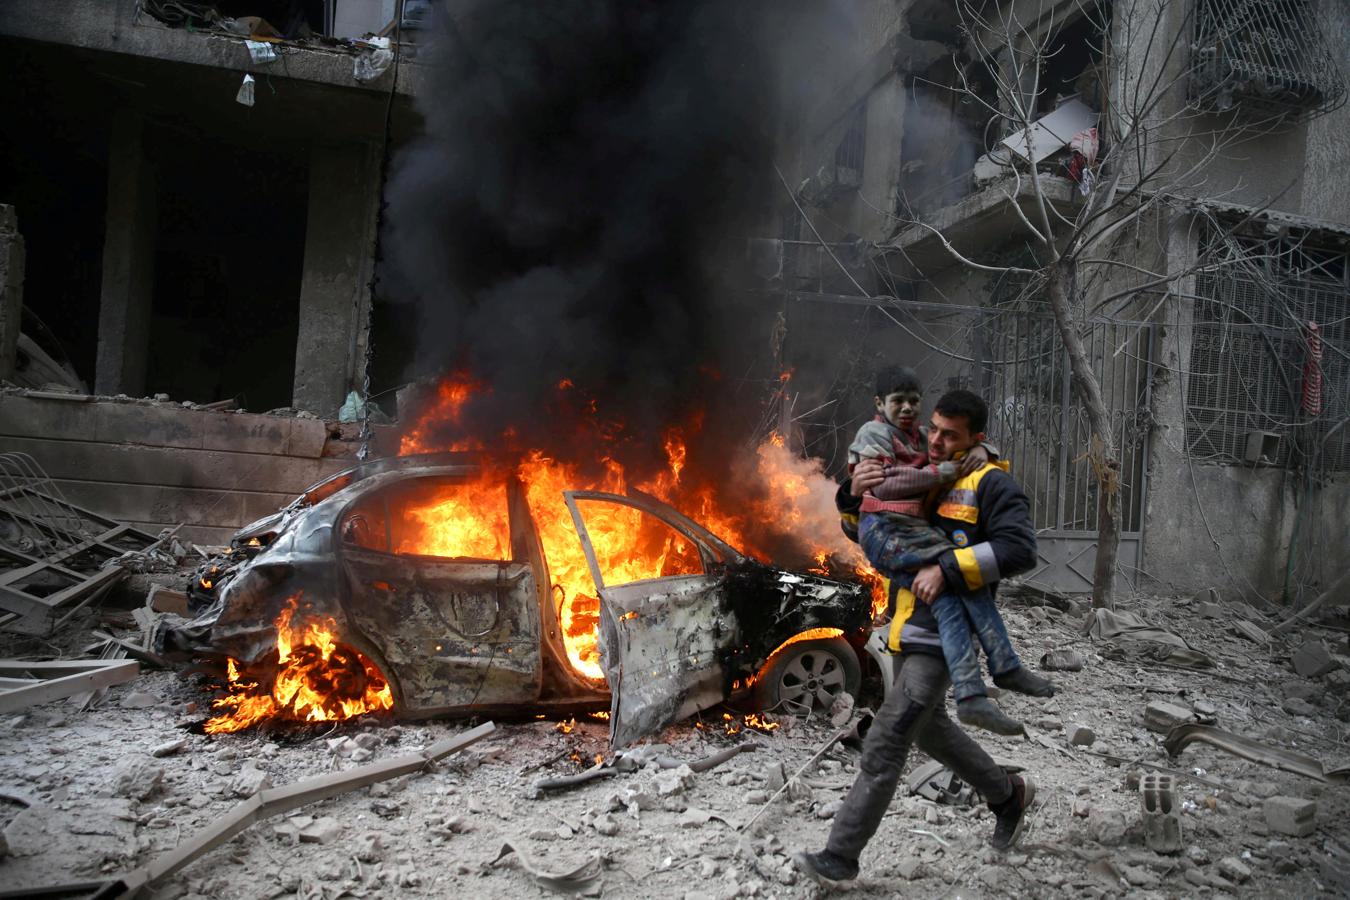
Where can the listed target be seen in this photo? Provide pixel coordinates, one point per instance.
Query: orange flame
(628, 545)
(317, 680)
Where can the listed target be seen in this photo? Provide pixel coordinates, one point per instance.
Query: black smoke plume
(576, 209)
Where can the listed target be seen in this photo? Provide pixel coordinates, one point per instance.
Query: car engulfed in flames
(430, 587)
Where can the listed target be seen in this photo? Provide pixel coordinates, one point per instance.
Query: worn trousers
(889, 543)
(913, 714)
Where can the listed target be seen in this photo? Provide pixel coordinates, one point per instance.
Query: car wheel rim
(811, 679)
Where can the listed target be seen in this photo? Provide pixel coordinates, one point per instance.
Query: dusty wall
(158, 464)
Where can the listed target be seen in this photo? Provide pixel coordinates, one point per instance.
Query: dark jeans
(914, 713)
(886, 543)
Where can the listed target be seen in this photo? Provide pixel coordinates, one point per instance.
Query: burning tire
(808, 675)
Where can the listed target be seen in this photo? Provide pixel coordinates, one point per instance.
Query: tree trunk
(1062, 289)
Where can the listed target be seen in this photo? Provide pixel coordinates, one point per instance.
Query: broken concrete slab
(1233, 869)
(1081, 736)
(136, 778)
(323, 830)
(1291, 815)
(169, 748)
(1163, 717)
(1313, 659)
(1297, 706)
(250, 781)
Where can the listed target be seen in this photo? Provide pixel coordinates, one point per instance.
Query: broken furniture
(55, 557)
(24, 683)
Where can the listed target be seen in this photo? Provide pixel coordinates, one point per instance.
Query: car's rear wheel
(807, 676)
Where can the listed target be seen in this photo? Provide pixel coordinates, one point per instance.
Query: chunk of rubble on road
(370, 847)
(1313, 659)
(342, 746)
(1296, 706)
(322, 830)
(1082, 808)
(1198, 855)
(136, 778)
(139, 700)
(367, 740)
(1081, 736)
(1233, 869)
(693, 817)
(289, 829)
(674, 781)
(606, 825)
(169, 748)
(1291, 815)
(250, 781)
(1107, 828)
(1163, 717)
(757, 797)
(910, 868)
(829, 810)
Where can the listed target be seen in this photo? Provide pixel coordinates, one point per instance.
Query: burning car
(423, 585)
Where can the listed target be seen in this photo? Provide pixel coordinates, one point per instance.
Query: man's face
(901, 408)
(950, 436)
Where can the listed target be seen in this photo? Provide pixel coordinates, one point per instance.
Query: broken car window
(631, 545)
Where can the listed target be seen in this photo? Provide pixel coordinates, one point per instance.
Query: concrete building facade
(899, 163)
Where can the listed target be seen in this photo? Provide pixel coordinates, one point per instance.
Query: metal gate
(1043, 430)
(1010, 352)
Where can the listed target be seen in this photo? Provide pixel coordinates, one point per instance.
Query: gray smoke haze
(589, 169)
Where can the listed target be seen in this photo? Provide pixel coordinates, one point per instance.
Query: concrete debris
(136, 778)
(322, 830)
(1291, 815)
(1250, 631)
(1198, 855)
(1108, 828)
(606, 825)
(1062, 661)
(674, 782)
(1313, 659)
(757, 797)
(1161, 812)
(694, 818)
(1296, 706)
(1081, 736)
(1081, 808)
(169, 748)
(829, 810)
(1233, 869)
(361, 754)
(250, 781)
(1163, 717)
(370, 847)
(138, 700)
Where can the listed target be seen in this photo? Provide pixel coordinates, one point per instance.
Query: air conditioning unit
(1262, 448)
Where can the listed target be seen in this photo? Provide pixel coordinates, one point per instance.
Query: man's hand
(867, 474)
(973, 461)
(928, 583)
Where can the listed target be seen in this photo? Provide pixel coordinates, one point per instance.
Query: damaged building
(190, 202)
(1215, 319)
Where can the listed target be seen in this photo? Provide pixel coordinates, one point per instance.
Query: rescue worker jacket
(987, 516)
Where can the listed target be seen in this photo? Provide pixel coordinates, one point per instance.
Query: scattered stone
(369, 847)
(289, 829)
(1137, 876)
(673, 782)
(606, 825)
(707, 868)
(361, 754)
(841, 710)
(1250, 632)
(386, 809)
(136, 778)
(367, 740)
(757, 797)
(1296, 706)
(1082, 808)
(1291, 815)
(910, 868)
(169, 747)
(1303, 690)
(250, 781)
(1163, 717)
(139, 700)
(1204, 709)
(542, 834)
(1313, 659)
(1049, 723)
(694, 818)
(1198, 855)
(775, 777)
(1107, 828)
(321, 831)
(829, 810)
(1081, 736)
(342, 746)
(1233, 869)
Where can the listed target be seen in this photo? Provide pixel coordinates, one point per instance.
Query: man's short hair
(892, 379)
(957, 403)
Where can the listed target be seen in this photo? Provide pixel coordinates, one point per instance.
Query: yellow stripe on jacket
(904, 608)
(958, 501)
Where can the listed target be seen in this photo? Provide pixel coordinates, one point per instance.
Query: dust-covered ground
(84, 796)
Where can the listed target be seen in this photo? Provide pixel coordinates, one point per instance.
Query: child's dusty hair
(892, 379)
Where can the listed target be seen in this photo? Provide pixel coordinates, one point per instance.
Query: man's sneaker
(1010, 815)
(1024, 682)
(981, 712)
(825, 867)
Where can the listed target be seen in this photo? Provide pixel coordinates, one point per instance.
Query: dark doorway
(229, 257)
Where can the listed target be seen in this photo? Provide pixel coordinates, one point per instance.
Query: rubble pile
(92, 793)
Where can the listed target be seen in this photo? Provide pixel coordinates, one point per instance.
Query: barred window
(1253, 361)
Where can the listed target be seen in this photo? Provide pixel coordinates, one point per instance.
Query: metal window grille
(1266, 57)
(848, 156)
(1250, 351)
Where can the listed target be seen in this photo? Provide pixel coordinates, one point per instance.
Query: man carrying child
(984, 516)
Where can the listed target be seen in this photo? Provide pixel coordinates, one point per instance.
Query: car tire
(808, 676)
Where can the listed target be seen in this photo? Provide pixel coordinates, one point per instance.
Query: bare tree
(1156, 136)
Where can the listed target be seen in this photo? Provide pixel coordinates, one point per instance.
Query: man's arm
(1009, 547)
(902, 482)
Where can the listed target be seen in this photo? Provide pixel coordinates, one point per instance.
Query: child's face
(901, 408)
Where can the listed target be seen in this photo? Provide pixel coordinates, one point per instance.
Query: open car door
(665, 626)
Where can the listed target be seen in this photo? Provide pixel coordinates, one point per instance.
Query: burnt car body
(454, 635)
